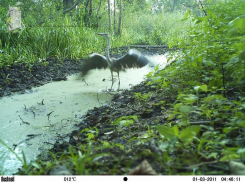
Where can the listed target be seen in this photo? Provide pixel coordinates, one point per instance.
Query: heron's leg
(118, 80)
(111, 79)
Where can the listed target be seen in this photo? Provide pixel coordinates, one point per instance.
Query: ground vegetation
(185, 119)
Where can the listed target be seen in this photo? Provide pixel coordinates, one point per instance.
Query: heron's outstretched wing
(94, 61)
(133, 59)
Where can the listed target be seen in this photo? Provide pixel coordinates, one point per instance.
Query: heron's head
(104, 35)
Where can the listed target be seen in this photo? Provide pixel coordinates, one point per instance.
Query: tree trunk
(174, 5)
(114, 16)
(109, 15)
(91, 8)
(99, 8)
(86, 6)
(68, 3)
(120, 20)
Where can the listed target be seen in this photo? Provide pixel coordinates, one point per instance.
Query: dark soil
(19, 78)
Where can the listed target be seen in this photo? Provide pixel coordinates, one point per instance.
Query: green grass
(33, 45)
(25, 166)
(156, 29)
(149, 29)
(65, 37)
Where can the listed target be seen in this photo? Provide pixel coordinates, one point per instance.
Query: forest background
(56, 28)
(205, 83)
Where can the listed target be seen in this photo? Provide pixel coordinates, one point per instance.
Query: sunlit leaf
(9, 19)
(196, 88)
(108, 133)
(204, 88)
(229, 157)
(100, 156)
(120, 146)
(146, 135)
(176, 106)
(212, 155)
(189, 133)
(106, 144)
(241, 151)
(36, 165)
(126, 122)
(167, 132)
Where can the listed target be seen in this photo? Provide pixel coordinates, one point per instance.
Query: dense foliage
(207, 79)
(202, 91)
(49, 32)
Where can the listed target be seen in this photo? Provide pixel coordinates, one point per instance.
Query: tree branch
(205, 13)
(71, 8)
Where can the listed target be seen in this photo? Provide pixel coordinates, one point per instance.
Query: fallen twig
(33, 112)
(30, 136)
(24, 121)
(85, 81)
(98, 99)
(200, 122)
(49, 114)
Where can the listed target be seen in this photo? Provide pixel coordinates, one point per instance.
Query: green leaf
(146, 135)
(212, 155)
(191, 82)
(194, 64)
(99, 156)
(230, 154)
(196, 88)
(187, 134)
(120, 146)
(209, 1)
(240, 151)
(186, 14)
(185, 109)
(36, 165)
(240, 23)
(9, 19)
(125, 123)
(230, 157)
(190, 98)
(233, 32)
(106, 144)
(177, 106)
(176, 130)
(170, 45)
(204, 88)
(167, 132)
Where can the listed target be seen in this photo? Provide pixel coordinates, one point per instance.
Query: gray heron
(132, 59)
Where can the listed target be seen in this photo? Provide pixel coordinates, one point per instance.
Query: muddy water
(33, 121)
